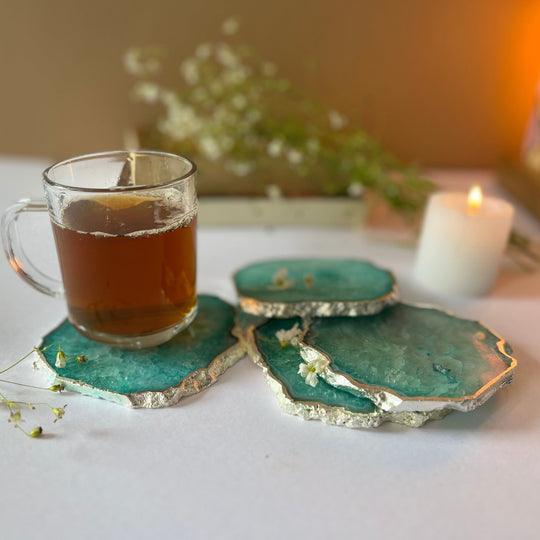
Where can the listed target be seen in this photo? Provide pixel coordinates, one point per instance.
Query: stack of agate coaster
(336, 345)
(151, 378)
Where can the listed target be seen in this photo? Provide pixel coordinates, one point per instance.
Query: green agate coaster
(314, 287)
(154, 377)
(409, 358)
(322, 402)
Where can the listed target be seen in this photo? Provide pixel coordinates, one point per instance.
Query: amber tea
(128, 264)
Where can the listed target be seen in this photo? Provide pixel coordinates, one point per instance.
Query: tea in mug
(128, 263)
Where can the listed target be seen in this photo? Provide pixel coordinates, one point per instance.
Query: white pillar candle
(462, 241)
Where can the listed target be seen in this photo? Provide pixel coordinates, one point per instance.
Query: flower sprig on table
(17, 408)
(235, 108)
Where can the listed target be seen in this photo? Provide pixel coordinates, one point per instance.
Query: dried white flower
(273, 192)
(295, 156)
(289, 337)
(275, 147)
(311, 370)
(210, 148)
(356, 189)
(337, 120)
(147, 91)
(226, 56)
(280, 280)
(190, 71)
(181, 121)
(240, 168)
(239, 101)
(203, 51)
(230, 26)
(61, 359)
(139, 62)
(235, 75)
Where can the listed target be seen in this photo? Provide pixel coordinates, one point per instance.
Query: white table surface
(228, 464)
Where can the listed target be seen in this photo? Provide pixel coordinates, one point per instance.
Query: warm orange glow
(474, 200)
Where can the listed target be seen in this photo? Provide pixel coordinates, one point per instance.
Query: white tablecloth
(228, 464)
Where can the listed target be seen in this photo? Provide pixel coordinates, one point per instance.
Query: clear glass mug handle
(15, 253)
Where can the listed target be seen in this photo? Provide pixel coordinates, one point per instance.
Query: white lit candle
(463, 238)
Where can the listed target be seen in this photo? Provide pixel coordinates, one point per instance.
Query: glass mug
(124, 224)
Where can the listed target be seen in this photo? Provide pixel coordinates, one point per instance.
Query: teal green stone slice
(154, 377)
(283, 363)
(286, 288)
(411, 358)
(322, 402)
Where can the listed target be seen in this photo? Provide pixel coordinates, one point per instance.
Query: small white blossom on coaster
(312, 369)
(291, 336)
(280, 280)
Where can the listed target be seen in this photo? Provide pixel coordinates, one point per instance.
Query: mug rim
(191, 171)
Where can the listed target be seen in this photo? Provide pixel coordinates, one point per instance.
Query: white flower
(203, 51)
(356, 189)
(337, 120)
(139, 62)
(61, 359)
(280, 280)
(226, 56)
(235, 75)
(269, 69)
(273, 192)
(240, 168)
(311, 370)
(181, 121)
(230, 26)
(190, 71)
(294, 156)
(239, 101)
(209, 147)
(289, 337)
(275, 147)
(147, 92)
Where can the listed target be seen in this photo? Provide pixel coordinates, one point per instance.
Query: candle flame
(474, 200)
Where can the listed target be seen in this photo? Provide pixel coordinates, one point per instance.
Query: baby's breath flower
(273, 192)
(239, 168)
(239, 101)
(295, 156)
(337, 120)
(230, 26)
(140, 62)
(289, 337)
(190, 71)
(147, 92)
(275, 147)
(356, 189)
(209, 147)
(280, 280)
(226, 56)
(61, 359)
(311, 370)
(203, 51)
(57, 388)
(15, 416)
(58, 412)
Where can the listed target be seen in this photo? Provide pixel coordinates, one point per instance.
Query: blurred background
(447, 83)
